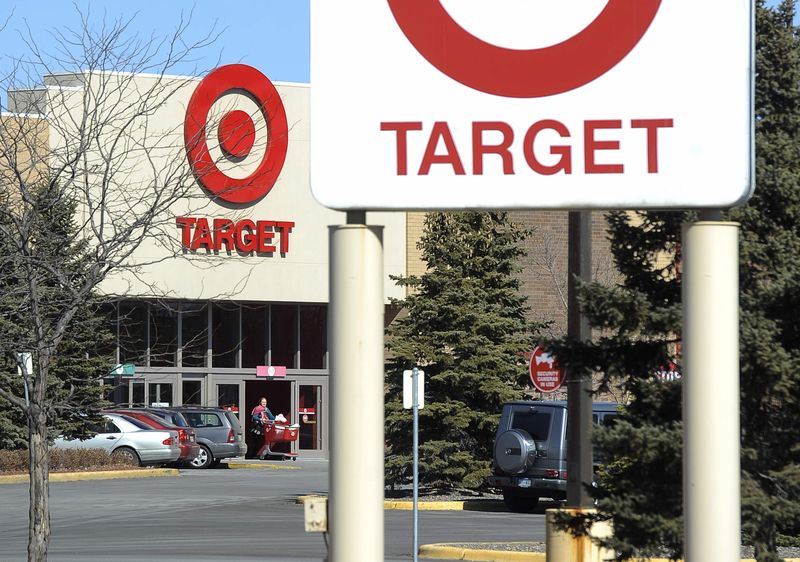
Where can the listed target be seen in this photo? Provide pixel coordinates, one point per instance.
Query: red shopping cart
(274, 433)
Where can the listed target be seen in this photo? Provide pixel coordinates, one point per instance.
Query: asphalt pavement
(222, 515)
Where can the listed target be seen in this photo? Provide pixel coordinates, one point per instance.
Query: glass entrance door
(309, 416)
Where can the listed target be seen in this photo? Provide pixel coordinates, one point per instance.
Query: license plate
(524, 482)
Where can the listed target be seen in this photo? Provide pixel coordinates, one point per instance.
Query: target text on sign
(246, 236)
(551, 156)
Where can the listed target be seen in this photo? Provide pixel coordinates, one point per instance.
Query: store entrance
(279, 401)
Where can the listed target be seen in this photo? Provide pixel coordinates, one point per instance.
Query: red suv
(187, 436)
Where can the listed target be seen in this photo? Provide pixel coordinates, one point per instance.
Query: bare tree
(82, 132)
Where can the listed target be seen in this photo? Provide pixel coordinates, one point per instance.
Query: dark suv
(218, 433)
(530, 451)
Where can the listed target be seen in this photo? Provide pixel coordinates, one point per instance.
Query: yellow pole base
(561, 546)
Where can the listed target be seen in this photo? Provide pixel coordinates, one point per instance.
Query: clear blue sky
(271, 35)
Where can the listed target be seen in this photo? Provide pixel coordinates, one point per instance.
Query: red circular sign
(520, 73)
(236, 134)
(546, 375)
(241, 78)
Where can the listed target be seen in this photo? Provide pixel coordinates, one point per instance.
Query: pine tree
(638, 324)
(640, 487)
(81, 359)
(770, 292)
(466, 328)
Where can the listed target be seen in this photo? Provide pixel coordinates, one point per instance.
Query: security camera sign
(546, 375)
(577, 104)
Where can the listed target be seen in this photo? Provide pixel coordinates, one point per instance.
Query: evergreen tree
(640, 487)
(466, 328)
(770, 292)
(81, 358)
(638, 322)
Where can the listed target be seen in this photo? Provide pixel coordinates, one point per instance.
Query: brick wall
(544, 269)
(414, 224)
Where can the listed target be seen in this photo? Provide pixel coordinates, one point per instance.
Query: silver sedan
(129, 438)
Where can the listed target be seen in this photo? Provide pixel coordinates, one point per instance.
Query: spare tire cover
(513, 451)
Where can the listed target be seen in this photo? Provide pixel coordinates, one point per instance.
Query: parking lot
(220, 514)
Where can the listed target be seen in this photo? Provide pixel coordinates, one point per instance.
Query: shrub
(787, 541)
(63, 460)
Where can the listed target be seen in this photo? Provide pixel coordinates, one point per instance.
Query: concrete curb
(260, 466)
(450, 552)
(460, 553)
(466, 505)
(429, 506)
(94, 475)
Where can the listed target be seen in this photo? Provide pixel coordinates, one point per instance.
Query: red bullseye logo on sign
(521, 73)
(237, 134)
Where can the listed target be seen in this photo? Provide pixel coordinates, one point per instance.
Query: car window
(233, 419)
(609, 419)
(177, 419)
(153, 421)
(107, 426)
(137, 423)
(537, 424)
(203, 419)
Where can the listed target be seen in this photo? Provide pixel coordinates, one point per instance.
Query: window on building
(105, 343)
(283, 334)
(132, 326)
(194, 334)
(137, 392)
(115, 390)
(160, 393)
(192, 392)
(163, 335)
(313, 336)
(228, 396)
(225, 337)
(254, 335)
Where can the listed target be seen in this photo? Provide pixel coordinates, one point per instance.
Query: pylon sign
(578, 104)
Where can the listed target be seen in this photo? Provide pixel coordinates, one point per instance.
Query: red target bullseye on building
(524, 73)
(236, 133)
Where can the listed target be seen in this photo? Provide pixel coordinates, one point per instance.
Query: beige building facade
(217, 291)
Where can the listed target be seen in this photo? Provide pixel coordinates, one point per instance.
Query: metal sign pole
(579, 398)
(415, 410)
(355, 338)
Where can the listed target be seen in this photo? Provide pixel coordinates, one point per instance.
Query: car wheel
(519, 504)
(203, 459)
(126, 455)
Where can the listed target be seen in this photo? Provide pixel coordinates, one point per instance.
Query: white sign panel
(408, 390)
(576, 104)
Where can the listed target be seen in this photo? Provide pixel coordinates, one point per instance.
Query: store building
(230, 300)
